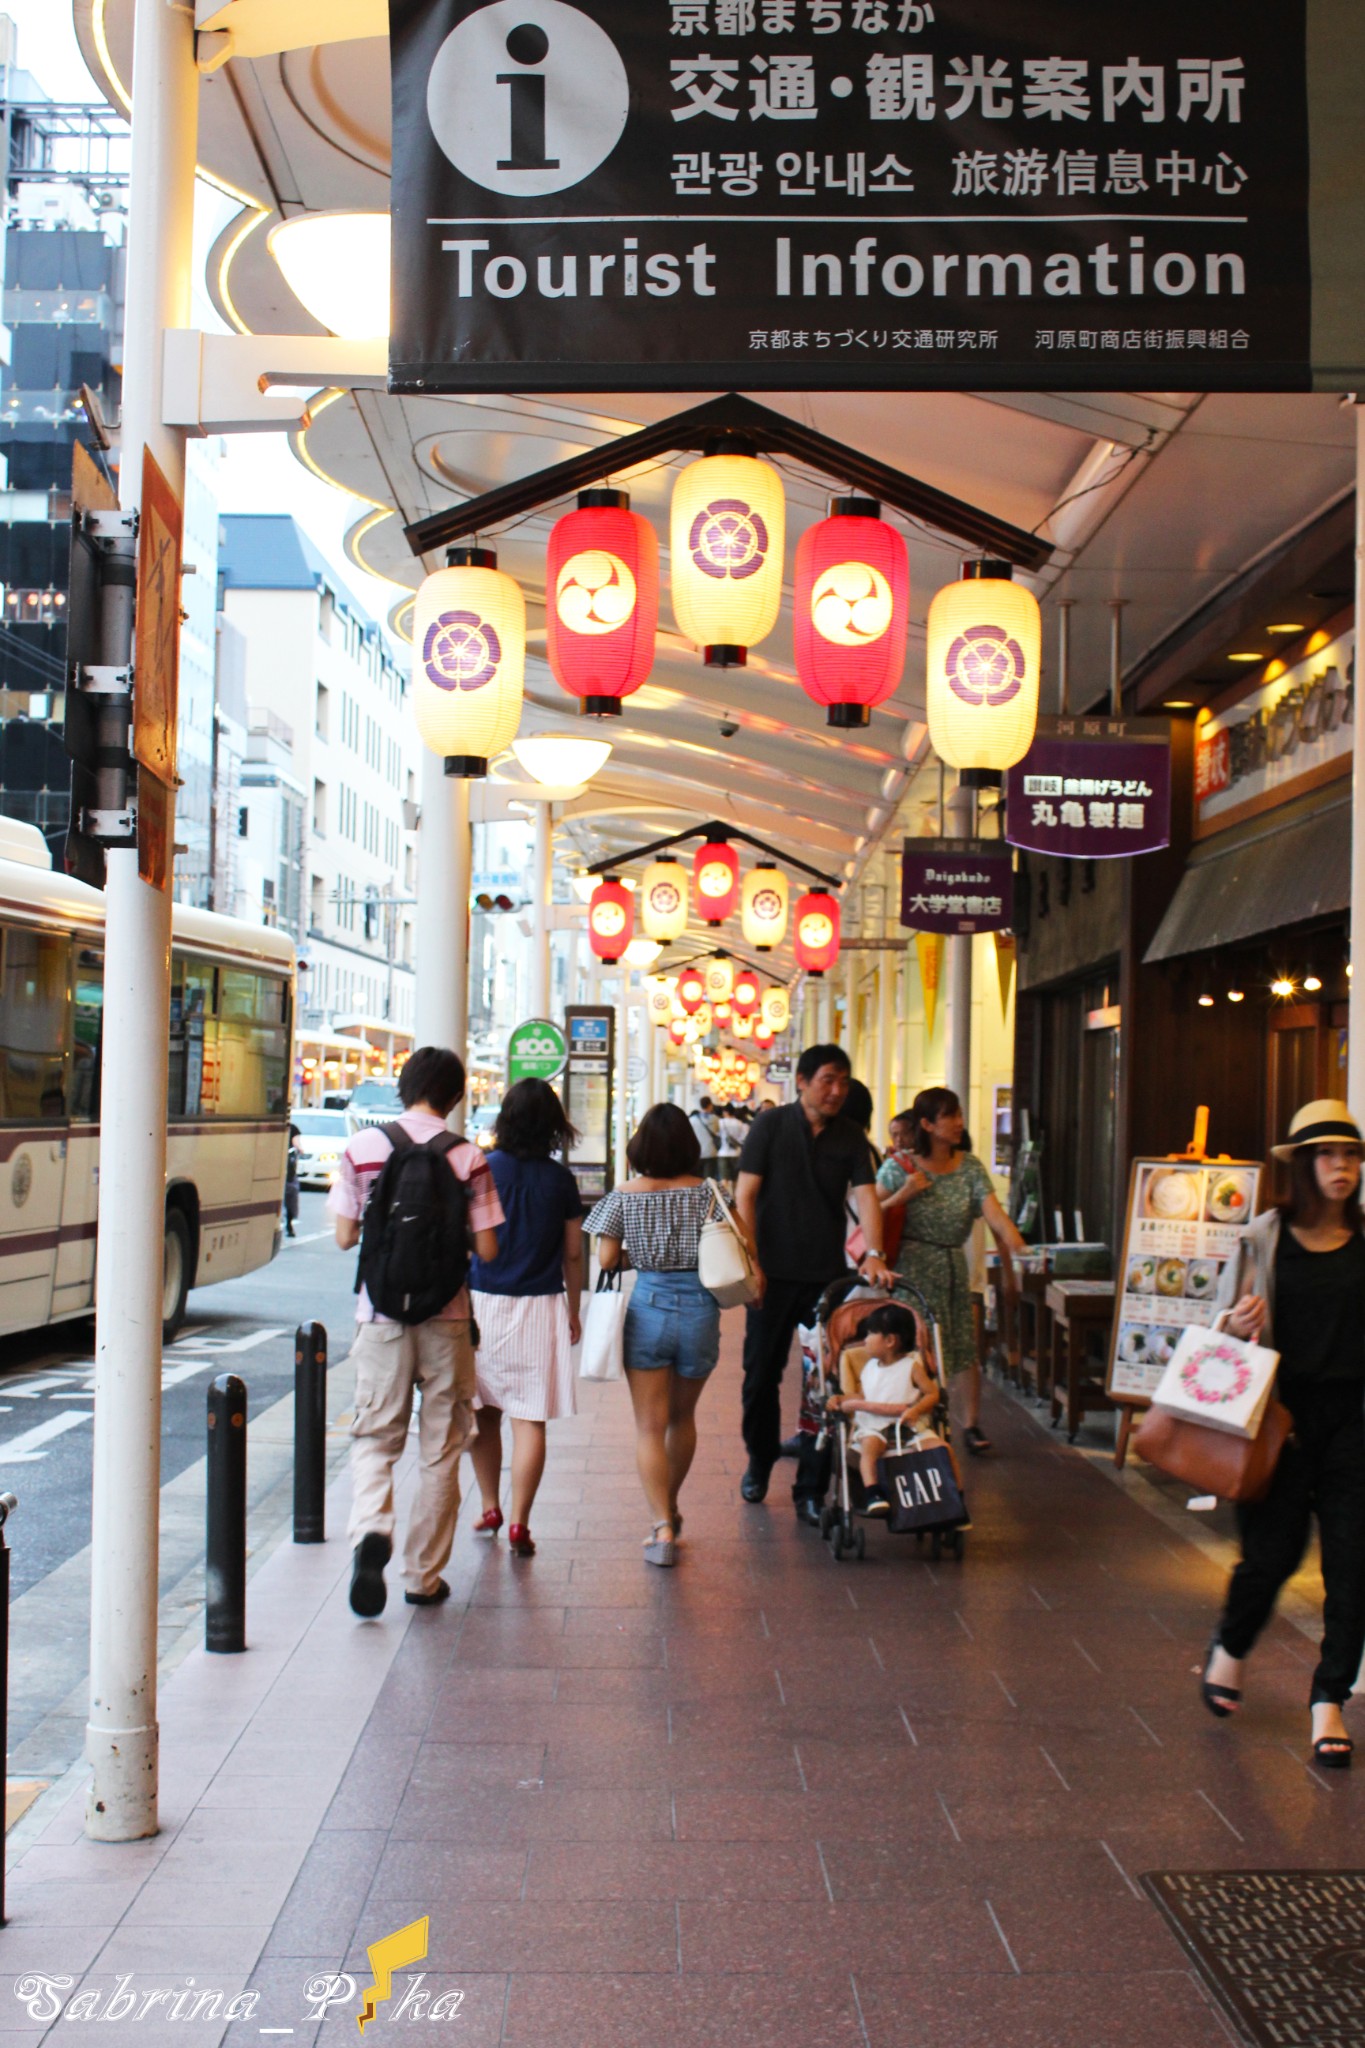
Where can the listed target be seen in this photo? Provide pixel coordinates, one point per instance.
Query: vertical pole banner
(1005, 951)
(929, 946)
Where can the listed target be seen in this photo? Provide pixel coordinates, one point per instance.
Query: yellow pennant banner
(929, 946)
(1004, 967)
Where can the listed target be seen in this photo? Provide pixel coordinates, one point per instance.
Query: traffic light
(371, 911)
(483, 901)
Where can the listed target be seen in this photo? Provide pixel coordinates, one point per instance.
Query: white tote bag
(724, 1266)
(1218, 1380)
(603, 1356)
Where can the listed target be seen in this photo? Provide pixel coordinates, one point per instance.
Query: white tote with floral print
(1218, 1380)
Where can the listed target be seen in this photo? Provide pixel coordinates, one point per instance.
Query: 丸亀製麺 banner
(792, 194)
(1092, 788)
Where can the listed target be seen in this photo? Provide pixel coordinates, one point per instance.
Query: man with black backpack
(416, 1199)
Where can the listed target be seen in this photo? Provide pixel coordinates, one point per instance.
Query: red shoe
(519, 1540)
(489, 1522)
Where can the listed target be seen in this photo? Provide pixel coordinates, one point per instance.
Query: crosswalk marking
(24, 1448)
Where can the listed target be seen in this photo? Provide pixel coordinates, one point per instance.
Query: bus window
(246, 1047)
(192, 996)
(33, 997)
(86, 1023)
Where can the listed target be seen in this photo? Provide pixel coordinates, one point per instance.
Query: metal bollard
(7, 1506)
(310, 1433)
(225, 1553)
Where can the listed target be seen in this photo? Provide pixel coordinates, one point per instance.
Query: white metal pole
(886, 1043)
(121, 1733)
(1355, 1043)
(541, 859)
(959, 1053)
(621, 1086)
(444, 863)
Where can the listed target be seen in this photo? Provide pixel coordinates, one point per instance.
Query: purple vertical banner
(957, 886)
(1092, 789)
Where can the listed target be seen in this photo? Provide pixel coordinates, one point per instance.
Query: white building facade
(325, 825)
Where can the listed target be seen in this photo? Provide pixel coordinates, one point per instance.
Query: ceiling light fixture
(1237, 995)
(1312, 983)
(337, 267)
(1282, 986)
(561, 760)
(1290, 628)
(1247, 655)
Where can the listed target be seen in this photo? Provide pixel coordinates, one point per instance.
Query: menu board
(1185, 1217)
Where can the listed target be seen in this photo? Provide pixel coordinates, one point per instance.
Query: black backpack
(414, 1240)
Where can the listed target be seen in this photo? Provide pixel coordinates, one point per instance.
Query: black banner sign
(807, 194)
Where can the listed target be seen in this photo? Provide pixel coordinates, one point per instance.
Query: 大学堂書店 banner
(793, 194)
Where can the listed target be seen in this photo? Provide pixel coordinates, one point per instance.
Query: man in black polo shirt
(795, 1171)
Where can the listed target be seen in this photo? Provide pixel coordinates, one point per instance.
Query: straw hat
(1319, 1123)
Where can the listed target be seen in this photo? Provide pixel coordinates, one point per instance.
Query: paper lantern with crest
(469, 660)
(691, 989)
(763, 907)
(602, 600)
(851, 610)
(726, 554)
(817, 931)
(663, 901)
(747, 993)
(719, 972)
(715, 872)
(611, 919)
(985, 643)
(776, 1009)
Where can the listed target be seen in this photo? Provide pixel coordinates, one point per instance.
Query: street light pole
(541, 864)
(444, 872)
(121, 1734)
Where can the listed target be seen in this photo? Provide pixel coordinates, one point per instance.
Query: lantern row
(763, 898)
(727, 551)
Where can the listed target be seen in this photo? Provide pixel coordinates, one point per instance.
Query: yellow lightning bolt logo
(394, 1952)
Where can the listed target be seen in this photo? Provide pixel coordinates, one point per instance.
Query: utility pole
(121, 1735)
(444, 873)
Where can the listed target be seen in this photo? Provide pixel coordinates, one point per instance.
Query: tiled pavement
(761, 1799)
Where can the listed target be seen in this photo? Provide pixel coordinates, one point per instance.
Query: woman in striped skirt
(526, 1303)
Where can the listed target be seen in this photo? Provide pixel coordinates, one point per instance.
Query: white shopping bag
(603, 1356)
(1219, 1381)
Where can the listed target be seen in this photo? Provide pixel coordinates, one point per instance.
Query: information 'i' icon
(528, 45)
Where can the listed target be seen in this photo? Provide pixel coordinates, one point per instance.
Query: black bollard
(7, 1506)
(310, 1433)
(225, 1554)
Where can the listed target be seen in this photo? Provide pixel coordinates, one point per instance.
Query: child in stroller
(896, 1388)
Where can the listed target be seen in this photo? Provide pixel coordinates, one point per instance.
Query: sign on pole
(536, 1051)
(587, 1091)
(956, 886)
(1092, 788)
(798, 194)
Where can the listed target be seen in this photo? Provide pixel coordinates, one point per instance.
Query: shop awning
(1286, 874)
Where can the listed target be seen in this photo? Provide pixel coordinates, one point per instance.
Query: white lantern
(659, 1000)
(763, 908)
(719, 975)
(985, 646)
(469, 660)
(775, 1009)
(726, 555)
(663, 900)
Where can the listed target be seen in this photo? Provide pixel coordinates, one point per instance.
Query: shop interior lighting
(1178, 704)
(1237, 995)
(1312, 983)
(1206, 999)
(1246, 656)
(337, 267)
(1282, 986)
(561, 760)
(1292, 627)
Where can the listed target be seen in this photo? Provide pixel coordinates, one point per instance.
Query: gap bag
(922, 1489)
(603, 1356)
(414, 1237)
(724, 1266)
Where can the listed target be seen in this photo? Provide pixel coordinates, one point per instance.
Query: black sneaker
(876, 1503)
(368, 1591)
(976, 1440)
(439, 1592)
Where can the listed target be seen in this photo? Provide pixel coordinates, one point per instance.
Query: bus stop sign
(536, 1051)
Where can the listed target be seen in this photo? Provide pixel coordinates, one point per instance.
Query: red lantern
(851, 610)
(762, 1036)
(602, 600)
(716, 878)
(611, 919)
(691, 989)
(721, 1012)
(677, 1030)
(817, 931)
(746, 993)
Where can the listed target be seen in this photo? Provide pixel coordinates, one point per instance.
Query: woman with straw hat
(1297, 1285)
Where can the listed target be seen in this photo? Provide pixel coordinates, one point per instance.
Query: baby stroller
(844, 1306)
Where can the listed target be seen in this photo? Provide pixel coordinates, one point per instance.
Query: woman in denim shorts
(672, 1332)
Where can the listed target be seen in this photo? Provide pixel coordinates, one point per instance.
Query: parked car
(479, 1124)
(374, 1102)
(322, 1134)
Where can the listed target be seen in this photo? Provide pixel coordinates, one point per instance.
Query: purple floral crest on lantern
(985, 665)
(767, 903)
(664, 899)
(461, 651)
(728, 538)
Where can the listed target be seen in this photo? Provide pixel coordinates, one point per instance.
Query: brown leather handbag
(1210, 1460)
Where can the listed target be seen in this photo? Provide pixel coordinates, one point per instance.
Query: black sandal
(1221, 1700)
(1333, 1752)
(976, 1440)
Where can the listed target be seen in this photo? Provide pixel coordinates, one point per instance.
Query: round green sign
(536, 1051)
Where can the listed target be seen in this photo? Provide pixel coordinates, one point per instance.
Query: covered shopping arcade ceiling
(1161, 499)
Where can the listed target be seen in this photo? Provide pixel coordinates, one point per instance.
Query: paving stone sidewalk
(764, 1798)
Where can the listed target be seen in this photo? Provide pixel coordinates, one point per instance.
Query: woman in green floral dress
(943, 1192)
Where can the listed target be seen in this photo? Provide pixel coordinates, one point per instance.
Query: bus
(231, 1021)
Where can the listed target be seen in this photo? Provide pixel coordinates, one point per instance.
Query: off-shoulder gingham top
(659, 1227)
